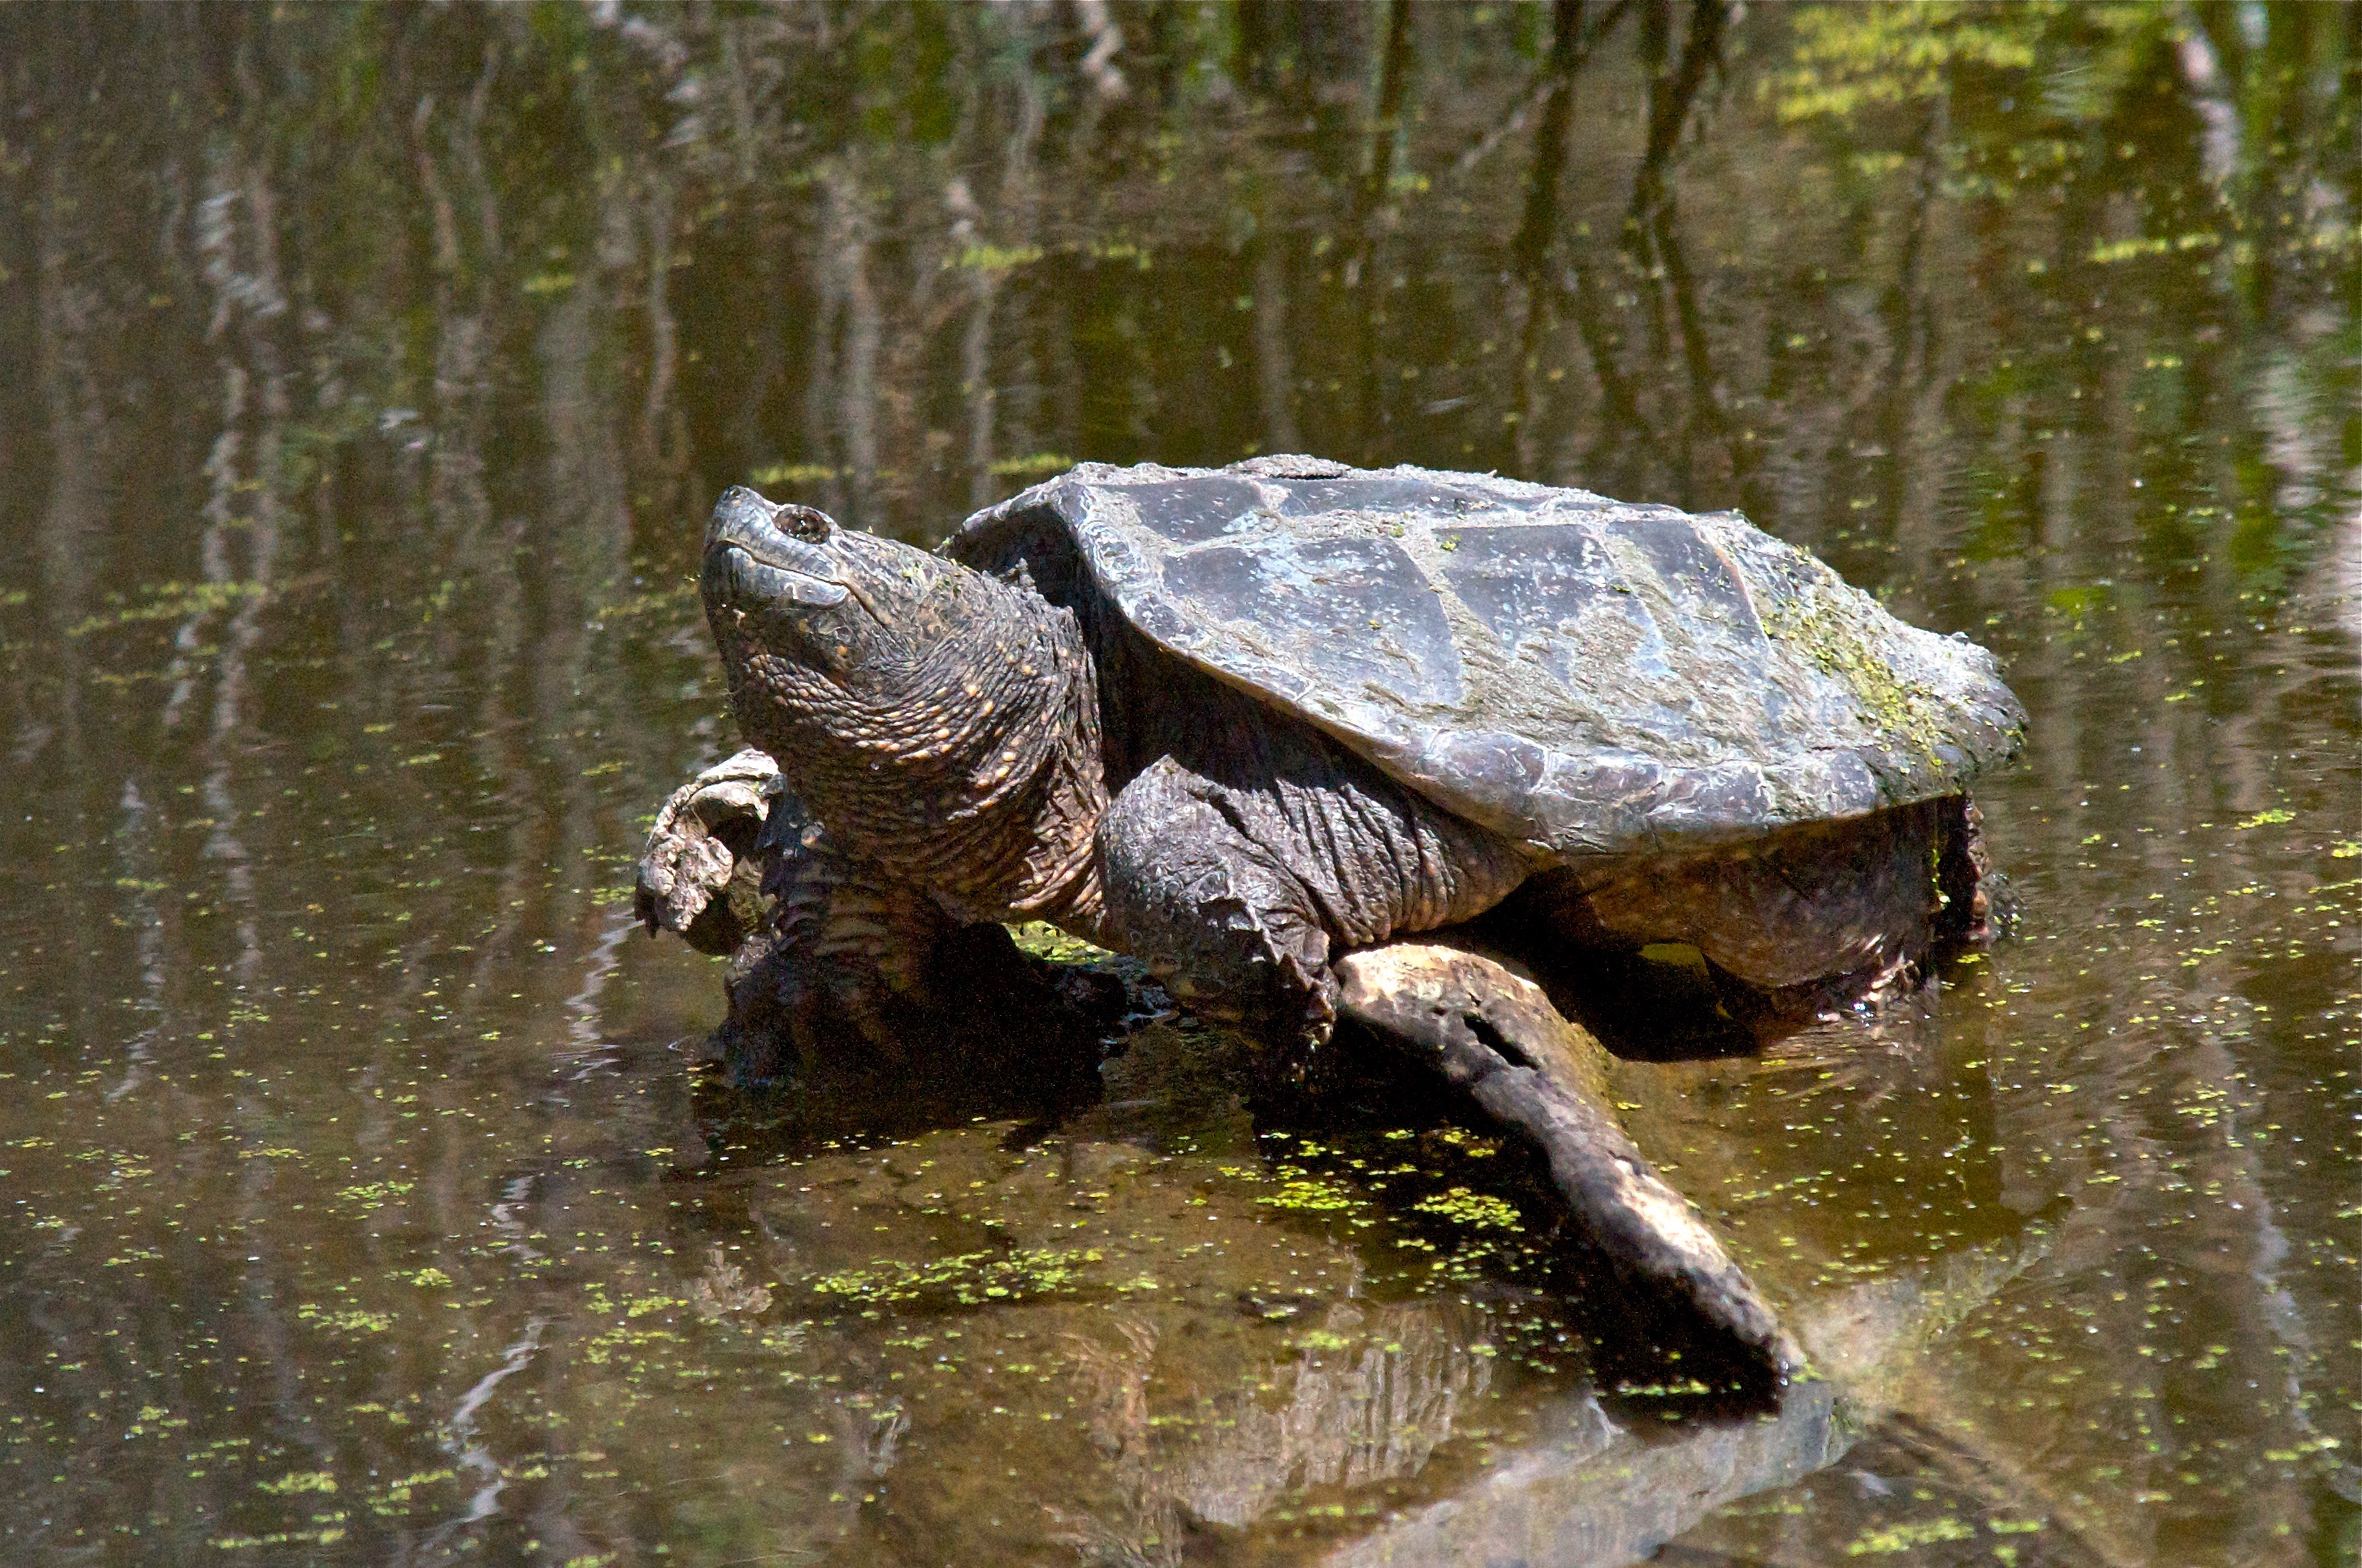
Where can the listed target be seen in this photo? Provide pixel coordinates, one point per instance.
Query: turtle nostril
(804, 522)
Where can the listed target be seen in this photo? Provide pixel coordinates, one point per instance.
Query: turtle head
(900, 692)
(786, 581)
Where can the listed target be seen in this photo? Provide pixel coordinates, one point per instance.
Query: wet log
(1493, 1034)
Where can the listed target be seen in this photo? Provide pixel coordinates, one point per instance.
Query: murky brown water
(370, 374)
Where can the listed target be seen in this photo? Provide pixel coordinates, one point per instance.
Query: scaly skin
(943, 725)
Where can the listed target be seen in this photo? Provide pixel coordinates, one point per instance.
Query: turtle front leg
(700, 875)
(1237, 883)
(834, 959)
(1216, 915)
(824, 949)
(850, 956)
(1200, 884)
(858, 956)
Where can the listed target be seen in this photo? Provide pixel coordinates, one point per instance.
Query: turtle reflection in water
(1255, 726)
(1203, 1367)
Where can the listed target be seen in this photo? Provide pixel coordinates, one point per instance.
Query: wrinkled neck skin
(940, 722)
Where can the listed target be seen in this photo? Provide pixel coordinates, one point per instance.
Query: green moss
(971, 1280)
(171, 601)
(1907, 1537)
(1820, 618)
(792, 474)
(1684, 1388)
(1478, 1210)
(353, 1321)
(1044, 940)
(1311, 1195)
(1032, 466)
(372, 1194)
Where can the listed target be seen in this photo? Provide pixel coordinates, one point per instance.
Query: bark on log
(1493, 1033)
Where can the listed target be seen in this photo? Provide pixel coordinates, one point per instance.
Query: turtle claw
(1495, 1034)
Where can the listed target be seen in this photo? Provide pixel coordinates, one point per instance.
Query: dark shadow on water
(1038, 1078)
(1645, 1008)
(1360, 1112)
(1666, 1003)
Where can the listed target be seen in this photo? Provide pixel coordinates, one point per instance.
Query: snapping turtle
(1246, 724)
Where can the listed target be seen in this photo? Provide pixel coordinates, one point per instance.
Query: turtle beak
(758, 555)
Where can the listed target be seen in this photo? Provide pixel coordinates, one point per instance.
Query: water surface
(372, 373)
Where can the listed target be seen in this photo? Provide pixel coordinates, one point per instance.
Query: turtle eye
(804, 523)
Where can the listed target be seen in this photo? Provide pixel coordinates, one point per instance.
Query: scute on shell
(1586, 675)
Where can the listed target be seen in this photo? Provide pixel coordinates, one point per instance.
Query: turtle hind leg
(1978, 903)
(1814, 918)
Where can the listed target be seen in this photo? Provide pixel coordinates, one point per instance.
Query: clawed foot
(699, 876)
(835, 962)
